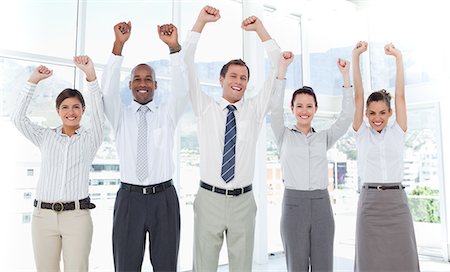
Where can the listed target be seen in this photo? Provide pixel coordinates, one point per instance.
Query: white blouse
(380, 155)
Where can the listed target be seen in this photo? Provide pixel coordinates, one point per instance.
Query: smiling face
(378, 114)
(304, 108)
(234, 83)
(70, 111)
(143, 83)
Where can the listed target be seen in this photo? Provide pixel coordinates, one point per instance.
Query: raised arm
(277, 120)
(272, 49)
(340, 127)
(206, 15)
(30, 130)
(400, 101)
(358, 85)
(111, 75)
(85, 64)
(177, 103)
(253, 23)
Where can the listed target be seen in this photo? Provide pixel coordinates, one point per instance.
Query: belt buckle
(149, 190)
(227, 193)
(57, 207)
(380, 188)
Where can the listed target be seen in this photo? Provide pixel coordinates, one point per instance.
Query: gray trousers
(216, 216)
(385, 239)
(307, 230)
(135, 215)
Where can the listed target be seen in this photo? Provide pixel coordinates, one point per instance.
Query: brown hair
(67, 93)
(239, 62)
(304, 90)
(381, 95)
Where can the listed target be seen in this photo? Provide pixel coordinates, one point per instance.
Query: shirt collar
(135, 105)
(224, 103)
(79, 130)
(294, 128)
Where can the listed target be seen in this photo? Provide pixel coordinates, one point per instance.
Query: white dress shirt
(161, 120)
(304, 163)
(380, 155)
(212, 116)
(65, 161)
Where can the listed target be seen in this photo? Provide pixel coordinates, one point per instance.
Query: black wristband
(175, 49)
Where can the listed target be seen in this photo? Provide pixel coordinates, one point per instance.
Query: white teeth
(377, 123)
(304, 117)
(142, 91)
(236, 88)
(71, 118)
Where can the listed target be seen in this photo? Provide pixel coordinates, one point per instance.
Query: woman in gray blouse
(61, 217)
(307, 223)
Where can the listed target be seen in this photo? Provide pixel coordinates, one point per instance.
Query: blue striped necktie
(229, 148)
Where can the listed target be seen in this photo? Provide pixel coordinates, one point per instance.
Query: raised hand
(41, 72)
(286, 58)
(344, 68)
(343, 65)
(360, 48)
(85, 64)
(168, 33)
(122, 31)
(253, 23)
(207, 14)
(390, 49)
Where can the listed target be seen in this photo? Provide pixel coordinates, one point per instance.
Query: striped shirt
(65, 161)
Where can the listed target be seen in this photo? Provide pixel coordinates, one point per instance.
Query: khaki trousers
(216, 215)
(69, 231)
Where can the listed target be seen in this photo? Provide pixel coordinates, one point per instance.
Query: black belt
(85, 203)
(384, 187)
(146, 190)
(234, 192)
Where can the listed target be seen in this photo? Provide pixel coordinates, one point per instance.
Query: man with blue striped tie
(228, 131)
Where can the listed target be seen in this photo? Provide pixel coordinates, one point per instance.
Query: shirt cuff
(93, 86)
(193, 37)
(270, 45)
(29, 88)
(347, 91)
(175, 59)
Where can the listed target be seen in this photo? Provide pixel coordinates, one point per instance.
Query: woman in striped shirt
(61, 218)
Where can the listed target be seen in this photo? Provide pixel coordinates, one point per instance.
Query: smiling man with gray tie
(146, 201)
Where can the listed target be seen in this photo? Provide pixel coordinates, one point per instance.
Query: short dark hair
(142, 64)
(239, 62)
(304, 90)
(67, 93)
(381, 95)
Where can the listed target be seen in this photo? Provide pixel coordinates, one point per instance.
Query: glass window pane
(143, 45)
(39, 27)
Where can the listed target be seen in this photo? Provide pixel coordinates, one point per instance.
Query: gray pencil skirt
(385, 239)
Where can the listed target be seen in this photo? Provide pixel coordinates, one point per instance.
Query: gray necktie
(142, 156)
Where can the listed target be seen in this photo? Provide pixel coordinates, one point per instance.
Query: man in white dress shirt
(146, 201)
(225, 203)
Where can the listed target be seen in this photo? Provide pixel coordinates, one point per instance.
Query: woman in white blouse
(385, 239)
(61, 218)
(307, 223)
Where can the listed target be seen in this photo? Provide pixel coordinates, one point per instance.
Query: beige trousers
(69, 231)
(216, 215)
